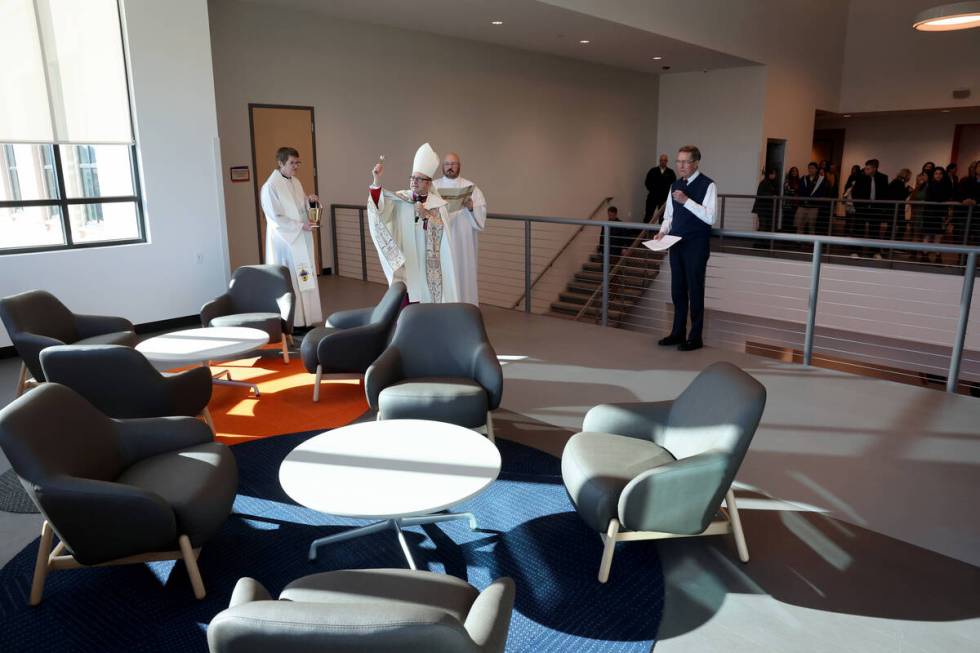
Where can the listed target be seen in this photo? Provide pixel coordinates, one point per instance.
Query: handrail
(561, 251)
(612, 273)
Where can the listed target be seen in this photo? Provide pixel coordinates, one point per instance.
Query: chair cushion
(595, 468)
(271, 323)
(444, 399)
(198, 482)
(376, 588)
(125, 338)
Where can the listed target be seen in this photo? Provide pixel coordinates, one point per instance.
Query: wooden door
(272, 127)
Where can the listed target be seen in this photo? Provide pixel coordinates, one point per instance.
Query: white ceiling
(527, 25)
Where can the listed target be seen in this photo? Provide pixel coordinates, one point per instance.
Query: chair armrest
(680, 497)
(300, 626)
(352, 350)
(642, 420)
(141, 438)
(489, 617)
(385, 371)
(487, 372)
(29, 346)
(101, 521)
(217, 307)
(87, 326)
(354, 317)
(248, 590)
(189, 391)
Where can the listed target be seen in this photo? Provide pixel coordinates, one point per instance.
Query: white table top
(200, 345)
(387, 469)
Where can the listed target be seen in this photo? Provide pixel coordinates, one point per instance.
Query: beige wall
(889, 66)
(900, 140)
(800, 42)
(722, 113)
(539, 134)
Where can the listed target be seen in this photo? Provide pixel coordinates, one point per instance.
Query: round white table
(203, 346)
(398, 471)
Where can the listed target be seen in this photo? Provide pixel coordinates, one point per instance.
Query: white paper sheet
(662, 244)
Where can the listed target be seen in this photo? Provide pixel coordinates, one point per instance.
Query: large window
(68, 175)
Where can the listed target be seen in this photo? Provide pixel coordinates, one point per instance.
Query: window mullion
(63, 197)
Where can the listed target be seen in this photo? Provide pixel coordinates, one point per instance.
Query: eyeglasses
(682, 162)
(418, 180)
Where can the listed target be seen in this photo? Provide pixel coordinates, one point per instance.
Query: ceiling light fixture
(657, 58)
(496, 22)
(584, 41)
(944, 111)
(949, 17)
(847, 115)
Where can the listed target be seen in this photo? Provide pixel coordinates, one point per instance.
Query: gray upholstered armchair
(352, 340)
(36, 319)
(660, 470)
(129, 386)
(116, 491)
(439, 366)
(260, 297)
(360, 611)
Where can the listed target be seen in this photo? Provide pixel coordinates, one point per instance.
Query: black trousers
(688, 264)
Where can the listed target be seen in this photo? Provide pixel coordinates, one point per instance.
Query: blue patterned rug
(528, 531)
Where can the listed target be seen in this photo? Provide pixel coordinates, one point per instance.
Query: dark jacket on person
(898, 190)
(862, 191)
(816, 188)
(658, 183)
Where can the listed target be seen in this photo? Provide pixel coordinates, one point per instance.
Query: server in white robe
(289, 234)
(467, 223)
(412, 233)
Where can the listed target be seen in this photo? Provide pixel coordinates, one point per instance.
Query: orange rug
(286, 401)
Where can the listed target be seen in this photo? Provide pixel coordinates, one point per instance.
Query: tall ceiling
(527, 25)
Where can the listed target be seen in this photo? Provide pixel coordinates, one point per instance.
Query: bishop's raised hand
(377, 171)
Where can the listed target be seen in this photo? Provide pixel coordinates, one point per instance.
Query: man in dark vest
(689, 214)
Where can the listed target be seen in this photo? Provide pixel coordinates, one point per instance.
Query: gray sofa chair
(659, 470)
(128, 385)
(361, 611)
(37, 319)
(352, 340)
(260, 297)
(439, 366)
(116, 491)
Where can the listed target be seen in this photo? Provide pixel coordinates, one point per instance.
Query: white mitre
(426, 161)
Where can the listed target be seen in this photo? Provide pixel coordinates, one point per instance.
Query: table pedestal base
(227, 380)
(396, 524)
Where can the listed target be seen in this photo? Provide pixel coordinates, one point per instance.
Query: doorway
(273, 126)
(775, 157)
(966, 146)
(828, 145)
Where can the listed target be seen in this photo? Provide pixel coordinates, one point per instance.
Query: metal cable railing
(903, 316)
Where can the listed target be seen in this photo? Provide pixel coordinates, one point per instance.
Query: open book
(455, 197)
(661, 245)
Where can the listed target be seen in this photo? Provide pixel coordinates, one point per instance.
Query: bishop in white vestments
(289, 235)
(467, 223)
(412, 233)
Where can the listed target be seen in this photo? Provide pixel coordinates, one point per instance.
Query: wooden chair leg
(190, 561)
(316, 382)
(743, 548)
(490, 434)
(206, 414)
(608, 550)
(285, 350)
(41, 564)
(21, 380)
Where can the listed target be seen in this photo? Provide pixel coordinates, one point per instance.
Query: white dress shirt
(705, 212)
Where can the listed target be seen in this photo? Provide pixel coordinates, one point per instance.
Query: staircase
(629, 276)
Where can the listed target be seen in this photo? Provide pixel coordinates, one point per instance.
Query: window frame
(63, 202)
